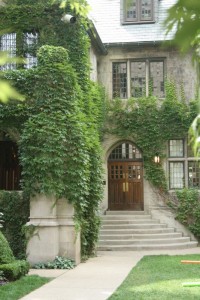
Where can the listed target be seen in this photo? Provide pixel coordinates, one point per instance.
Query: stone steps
(144, 241)
(148, 247)
(141, 236)
(135, 230)
(124, 217)
(127, 221)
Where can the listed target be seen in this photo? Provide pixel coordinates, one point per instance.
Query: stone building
(133, 36)
(127, 54)
(139, 52)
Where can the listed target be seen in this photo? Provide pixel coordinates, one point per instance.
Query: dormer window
(138, 11)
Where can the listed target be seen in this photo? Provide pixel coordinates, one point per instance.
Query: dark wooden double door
(125, 185)
(10, 171)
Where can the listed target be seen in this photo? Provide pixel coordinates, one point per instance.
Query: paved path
(96, 279)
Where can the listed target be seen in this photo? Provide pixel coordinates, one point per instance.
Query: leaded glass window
(8, 43)
(176, 171)
(146, 10)
(131, 10)
(30, 45)
(156, 81)
(125, 151)
(184, 169)
(176, 148)
(138, 11)
(193, 174)
(120, 80)
(138, 79)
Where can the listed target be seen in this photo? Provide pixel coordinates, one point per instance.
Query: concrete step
(141, 247)
(136, 231)
(124, 217)
(125, 212)
(128, 221)
(116, 236)
(144, 242)
(133, 226)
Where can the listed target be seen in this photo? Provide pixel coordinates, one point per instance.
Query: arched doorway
(125, 178)
(10, 170)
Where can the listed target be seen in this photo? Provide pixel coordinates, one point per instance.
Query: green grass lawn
(160, 278)
(25, 285)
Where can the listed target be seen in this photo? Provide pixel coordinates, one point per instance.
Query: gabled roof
(106, 16)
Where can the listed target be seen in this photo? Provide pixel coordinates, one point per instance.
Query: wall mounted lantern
(156, 158)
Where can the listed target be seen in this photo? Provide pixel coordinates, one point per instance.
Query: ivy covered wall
(60, 124)
(150, 123)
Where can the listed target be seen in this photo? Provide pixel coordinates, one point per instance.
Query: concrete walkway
(96, 279)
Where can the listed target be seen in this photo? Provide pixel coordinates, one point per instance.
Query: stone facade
(182, 72)
(177, 68)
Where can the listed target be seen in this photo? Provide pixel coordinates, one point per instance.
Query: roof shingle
(106, 17)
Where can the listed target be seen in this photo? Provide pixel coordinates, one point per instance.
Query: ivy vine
(151, 123)
(60, 123)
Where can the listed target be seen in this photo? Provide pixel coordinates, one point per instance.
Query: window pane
(30, 47)
(157, 78)
(8, 43)
(119, 80)
(176, 148)
(125, 151)
(193, 174)
(176, 175)
(138, 79)
(146, 10)
(131, 10)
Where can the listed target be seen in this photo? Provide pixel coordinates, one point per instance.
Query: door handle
(125, 187)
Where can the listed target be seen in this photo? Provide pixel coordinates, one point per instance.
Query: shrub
(3, 279)
(187, 209)
(58, 263)
(15, 209)
(15, 270)
(6, 254)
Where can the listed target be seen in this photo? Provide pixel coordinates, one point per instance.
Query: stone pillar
(54, 230)
(69, 239)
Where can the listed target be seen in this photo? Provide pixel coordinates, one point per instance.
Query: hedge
(6, 254)
(15, 270)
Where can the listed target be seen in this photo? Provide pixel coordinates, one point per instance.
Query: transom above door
(125, 178)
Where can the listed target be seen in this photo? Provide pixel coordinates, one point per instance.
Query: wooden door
(125, 184)
(10, 171)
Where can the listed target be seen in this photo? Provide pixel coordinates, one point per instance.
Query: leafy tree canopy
(185, 17)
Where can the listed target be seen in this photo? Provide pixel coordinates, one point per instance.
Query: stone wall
(177, 67)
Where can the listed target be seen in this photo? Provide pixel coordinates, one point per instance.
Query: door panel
(125, 184)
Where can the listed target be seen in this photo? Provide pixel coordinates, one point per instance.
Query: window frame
(26, 39)
(174, 156)
(185, 159)
(139, 14)
(148, 61)
(183, 178)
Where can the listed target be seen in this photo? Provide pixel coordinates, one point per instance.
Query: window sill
(137, 23)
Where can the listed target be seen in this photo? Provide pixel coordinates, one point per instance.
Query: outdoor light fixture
(68, 19)
(156, 158)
